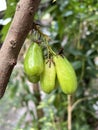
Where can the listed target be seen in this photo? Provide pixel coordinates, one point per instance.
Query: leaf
(75, 52)
(92, 18)
(5, 30)
(77, 64)
(68, 13)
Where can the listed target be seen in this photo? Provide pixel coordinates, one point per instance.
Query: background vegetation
(73, 26)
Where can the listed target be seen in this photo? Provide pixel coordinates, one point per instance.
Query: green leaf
(77, 64)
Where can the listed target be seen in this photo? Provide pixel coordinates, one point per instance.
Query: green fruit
(65, 74)
(34, 79)
(33, 62)
(47, 78)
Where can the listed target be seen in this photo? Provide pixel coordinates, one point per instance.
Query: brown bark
(21, 25)
(37, 94)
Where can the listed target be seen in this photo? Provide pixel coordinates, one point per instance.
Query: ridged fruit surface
(33, 62)
(48, 76)
(33, 79)
(65, 74)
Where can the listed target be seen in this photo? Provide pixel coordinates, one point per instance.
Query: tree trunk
(18, 31)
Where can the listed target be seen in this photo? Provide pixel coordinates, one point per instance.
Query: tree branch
(19, 29)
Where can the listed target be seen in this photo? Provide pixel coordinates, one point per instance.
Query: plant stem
(46, 39)
(40, 113)
(90, 97)
(69, 112)
(82, 71)
(41, 33)
(49, 48)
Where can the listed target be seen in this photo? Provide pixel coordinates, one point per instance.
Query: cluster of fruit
(37, 68)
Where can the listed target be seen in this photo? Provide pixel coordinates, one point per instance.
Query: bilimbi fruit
(33, 62)
(48, 76)
(65, 74)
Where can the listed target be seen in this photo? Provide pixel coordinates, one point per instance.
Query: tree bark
(19, 29)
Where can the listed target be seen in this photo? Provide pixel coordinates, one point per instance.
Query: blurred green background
(73, 26)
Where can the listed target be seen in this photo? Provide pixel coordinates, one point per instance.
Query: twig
(40, 113)
(69, 112)
(40, 32)
(83, 99)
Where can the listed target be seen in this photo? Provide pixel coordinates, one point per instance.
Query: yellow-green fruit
(33, 79)
(47, 78)
(65, 74)
(33, 62)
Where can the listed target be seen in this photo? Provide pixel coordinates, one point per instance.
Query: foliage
(73, 26)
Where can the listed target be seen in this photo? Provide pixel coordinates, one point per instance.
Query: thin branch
(83, 99)
(37, 94)
(69, 112)
(18, 31)
(39, 112)
(40, 32)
